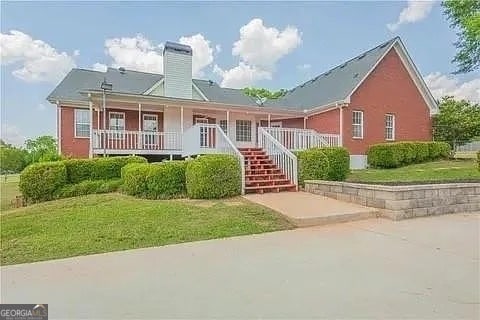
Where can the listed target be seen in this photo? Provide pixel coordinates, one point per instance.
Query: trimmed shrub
(312, 165)
(99, 168)
(40, 181)
(163, 180)
(338, 163)
(213, 177)
(397, 154)
(88, 187)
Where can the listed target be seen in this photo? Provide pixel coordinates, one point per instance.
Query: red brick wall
(325, 122)
(388, 89)
(78, 147)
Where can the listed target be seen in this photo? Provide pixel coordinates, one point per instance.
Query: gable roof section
(74, 82)
(334, 85)
(213, 92)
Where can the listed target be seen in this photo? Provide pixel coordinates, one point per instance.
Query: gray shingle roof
(215, 93)
(335, 84)
(331, 86)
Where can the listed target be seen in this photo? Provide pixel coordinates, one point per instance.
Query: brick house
(375, 97)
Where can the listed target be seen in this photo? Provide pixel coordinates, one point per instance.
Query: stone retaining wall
(402, 202)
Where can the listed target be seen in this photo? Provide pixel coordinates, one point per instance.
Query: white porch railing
(136, 140)
(210, 138)
(301, 139)
(281, 156)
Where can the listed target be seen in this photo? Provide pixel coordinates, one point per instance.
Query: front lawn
(438, 171)
(110, 222)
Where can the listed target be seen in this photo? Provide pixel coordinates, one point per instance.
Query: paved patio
(425, 268)
(305, 209)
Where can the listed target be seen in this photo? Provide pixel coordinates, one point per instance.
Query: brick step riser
(272, 189)
(277, 176)
(267, 183)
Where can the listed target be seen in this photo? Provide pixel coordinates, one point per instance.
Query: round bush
(312, 165)
(213, 177)
(338, 163)
(40, 181)
(163, 180)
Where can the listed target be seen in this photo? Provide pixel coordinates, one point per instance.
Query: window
(117, 121)
(276, 124)
(357, 124)
(82, 123)
(389, 127)
(223, 125)
(243, 130)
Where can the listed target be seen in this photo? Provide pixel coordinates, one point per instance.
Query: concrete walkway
(425, 268)
(306, 209)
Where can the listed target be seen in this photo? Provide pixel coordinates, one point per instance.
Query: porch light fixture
(105, 86)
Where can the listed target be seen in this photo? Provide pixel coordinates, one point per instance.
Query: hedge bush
(88, 187)
(213, 177)
(478, 160)
(397, 154)
(338, 163)
(99, 168)
(332, 163)
(313, 164)
(163, 180)
(40, 181)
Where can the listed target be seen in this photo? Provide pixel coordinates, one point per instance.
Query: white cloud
(38, 60)
(444, 85)
(99, 67)
(141, 54)
(11, 134)
(202, 52)
(414, 12)
(304, 67)
(262, 46)
(242, 75)
(259, 49)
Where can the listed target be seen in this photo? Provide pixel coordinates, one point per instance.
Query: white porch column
(181, 120)
(268, 122)
(341, 127)
(59, 128)
(90, 145)
(228, 124)
(139, 138)
(305, 122)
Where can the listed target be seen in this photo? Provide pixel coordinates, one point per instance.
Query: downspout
(59, 127)
(340, 143)
(90, 120)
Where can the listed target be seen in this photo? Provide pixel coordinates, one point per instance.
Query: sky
(237, 44)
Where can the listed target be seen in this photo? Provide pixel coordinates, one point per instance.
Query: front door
(204, 139)
(150, 129)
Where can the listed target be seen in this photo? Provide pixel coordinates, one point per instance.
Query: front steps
(262, 175)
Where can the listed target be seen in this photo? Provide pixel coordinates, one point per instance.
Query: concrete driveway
(421, 268)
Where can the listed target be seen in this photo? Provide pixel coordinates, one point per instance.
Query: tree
(12, 159)
(464, 15)
(262, 93)
(458, 122)
(43, 148)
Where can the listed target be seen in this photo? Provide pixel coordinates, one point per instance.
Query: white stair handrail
(281, 156)
(301, 139)
(233, 150)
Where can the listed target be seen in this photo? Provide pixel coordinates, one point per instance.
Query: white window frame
(149, 115)
(120, 134)
(223, 123)
(361, 124)
(238, 127)
(82, 123)
(392, 126)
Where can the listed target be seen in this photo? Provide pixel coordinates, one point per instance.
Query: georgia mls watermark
(23, 311)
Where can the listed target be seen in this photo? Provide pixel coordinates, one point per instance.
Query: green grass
(110, 222)
(438, 171)
(8, 190)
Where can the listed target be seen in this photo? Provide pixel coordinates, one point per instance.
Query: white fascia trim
(327, 107)
(199, 92)
(411, 69)
(416, 77)
(155, 86)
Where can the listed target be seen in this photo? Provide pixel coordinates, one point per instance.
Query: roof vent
(210, 82)
(361, 56)
(355, 75)
(327, 73)
(343, 65)
(122, 70)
